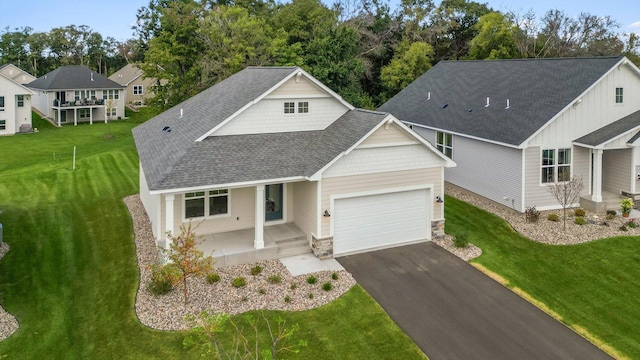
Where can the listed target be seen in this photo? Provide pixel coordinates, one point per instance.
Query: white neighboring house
(75, 93)
(515, 127)
(272, 146)
(16, 74)
(15, 102)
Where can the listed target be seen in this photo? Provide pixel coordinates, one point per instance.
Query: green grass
(592, 287)
(71, 275)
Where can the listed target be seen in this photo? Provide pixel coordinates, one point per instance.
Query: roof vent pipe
(181, 113)
(429, 95)
(508, 106)
(487, 105)
(91, 76)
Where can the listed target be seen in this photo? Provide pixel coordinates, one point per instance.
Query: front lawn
(71, 274)
(593, 287)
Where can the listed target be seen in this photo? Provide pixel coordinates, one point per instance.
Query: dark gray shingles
(240, 158)
(537, 90)
(161, 151)
(610, 131)
(73, 77)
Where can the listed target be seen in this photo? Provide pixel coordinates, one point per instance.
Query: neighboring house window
(137, 89)
(556, 165)
(3, 124)
(444, 143)
(1, 103)
(92, 94)
(84, 113)
(619, 95)
(111, 112)
(289, 108)
(217, 201)
(303, 107)
(110, 94)
(20, 100)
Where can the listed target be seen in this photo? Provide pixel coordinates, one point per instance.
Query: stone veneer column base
(437, 229)
(322, 248)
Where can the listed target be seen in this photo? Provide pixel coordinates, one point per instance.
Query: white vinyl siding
(380, 181)
(150, 202)
(391, 135)
(489, 170)
(301, 87)
(616, 170)
(267, 117)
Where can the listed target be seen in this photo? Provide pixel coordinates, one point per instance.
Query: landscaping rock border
(8, 323)
(167, 312)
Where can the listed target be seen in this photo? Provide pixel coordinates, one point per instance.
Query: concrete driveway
(453, 311)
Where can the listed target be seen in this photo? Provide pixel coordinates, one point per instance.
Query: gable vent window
(289, 107)
(619, 95)
(444, 143)
(303, 107)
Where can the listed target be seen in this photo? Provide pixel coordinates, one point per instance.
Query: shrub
(461, 240)
(611, 212)
(531, 214)
(626, 205)
(256, 270)
(239, 282)
(553, 217)
(310, 296)
(311, 279)
(632, 224)
(163, 278)
(293, 286)
(287, 299)
(580, 220)
(580, 212)
(623, 228)
(275, 279)
(213, 278)
(327, 286)
(611, 216)
(262, 291)
(334, 276)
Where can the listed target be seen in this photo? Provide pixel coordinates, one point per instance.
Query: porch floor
(236, 247)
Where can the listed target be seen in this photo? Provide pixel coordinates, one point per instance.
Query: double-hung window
(444, 143)
(619, 95)
(3, 124)
(206, 203)
(20, 100)
(556, 165)
(84, 113)
(137, 89)
(1, 103)
(289, 107)
(110, 94)
(303, 107)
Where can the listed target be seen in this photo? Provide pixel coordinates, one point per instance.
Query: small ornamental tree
(566, 193)
(183, 253)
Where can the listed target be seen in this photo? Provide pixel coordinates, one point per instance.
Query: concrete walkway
(453, 311)
(309, 263)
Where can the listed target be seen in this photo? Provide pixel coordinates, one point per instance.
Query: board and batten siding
(267, 116)
(380, 181)
(597, 109)
(305, 205)
(297, 86)
(616, 170)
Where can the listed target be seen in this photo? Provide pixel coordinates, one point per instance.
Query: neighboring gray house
(271, 150)
(514, 127)
(75, 93)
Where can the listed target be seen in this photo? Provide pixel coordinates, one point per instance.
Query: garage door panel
(382, 220)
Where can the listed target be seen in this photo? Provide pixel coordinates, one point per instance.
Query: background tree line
(363, 49)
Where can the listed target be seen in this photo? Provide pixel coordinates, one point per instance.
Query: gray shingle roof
(174, 159)
(608, 132)
(537, 90)
(73, 77)
(241, 158)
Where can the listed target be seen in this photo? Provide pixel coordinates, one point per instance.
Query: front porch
(237, 247)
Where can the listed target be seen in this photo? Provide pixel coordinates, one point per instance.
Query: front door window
(273, 203)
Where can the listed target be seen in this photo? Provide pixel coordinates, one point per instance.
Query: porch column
(75, 116)
(59, 115)
(90, 116)
(597, 175)
(168, 203)
(259, 240)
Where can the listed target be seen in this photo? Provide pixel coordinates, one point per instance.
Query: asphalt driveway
(453, 311)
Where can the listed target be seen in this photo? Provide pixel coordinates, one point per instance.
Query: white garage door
(378, 221)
